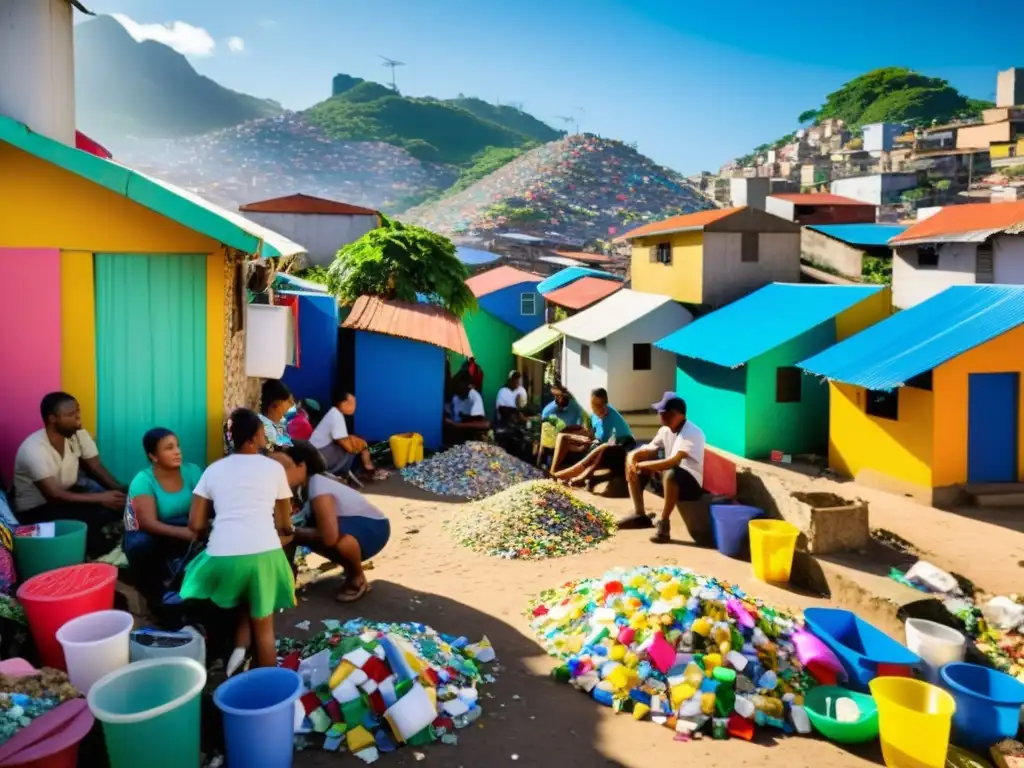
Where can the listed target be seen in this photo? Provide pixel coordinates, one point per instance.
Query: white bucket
(936, 644)
(94, 645)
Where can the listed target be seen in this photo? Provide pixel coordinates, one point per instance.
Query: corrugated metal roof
(560, 261)
(571, 274)
(428, 323)
(969, 223)
(613, 314)
(867, 235)
(535, 341)
(498, 278)
(818, 198)
(684, 223)
(474, 257)
(589, 258)
(739, 332)
(915, 340)
(583, 292)
(306, 204)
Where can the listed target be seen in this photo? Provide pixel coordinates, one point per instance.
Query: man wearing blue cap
(677, 452)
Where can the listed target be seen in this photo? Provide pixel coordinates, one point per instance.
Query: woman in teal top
(156, 513)
(612, 440)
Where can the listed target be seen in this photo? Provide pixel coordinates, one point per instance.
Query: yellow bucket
(914, 720)
(406, 449)
(772, 546)
(548, 435)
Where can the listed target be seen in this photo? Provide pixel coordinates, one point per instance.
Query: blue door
(992, 400)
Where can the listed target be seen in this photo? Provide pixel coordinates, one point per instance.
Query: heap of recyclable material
(470, 471)
(689, 652)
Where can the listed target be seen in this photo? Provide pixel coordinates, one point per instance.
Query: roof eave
(977, 236)
(660, 232)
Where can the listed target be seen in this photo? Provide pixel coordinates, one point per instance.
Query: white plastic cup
(936, 644)
(94, 645)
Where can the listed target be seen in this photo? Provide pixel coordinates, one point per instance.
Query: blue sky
(694, 84)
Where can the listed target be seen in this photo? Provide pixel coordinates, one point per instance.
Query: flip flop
(351, 597)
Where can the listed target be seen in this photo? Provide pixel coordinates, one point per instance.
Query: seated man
(48, 484)
(467, 419)
(510, 400)
(612, 438)
(681, 442)
(574, 436)
(339, 448)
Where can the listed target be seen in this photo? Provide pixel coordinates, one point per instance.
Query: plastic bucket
(772, 546)
(94, 645)
(50, 741)
(33, 555)
(406, 449)
(150, 712)
(914, 720)
(987, 704)
(54, 598)
(730, 525)
(259, 717)
(936, 644)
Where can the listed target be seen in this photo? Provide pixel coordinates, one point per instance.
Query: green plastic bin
(151, 712)
(33, 555)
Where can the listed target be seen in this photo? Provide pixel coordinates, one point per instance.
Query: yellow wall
(78, 332)
(215, 266)
(1002, 149)
(864, 314)
(682, 279)
(949, 383)
(901, 449)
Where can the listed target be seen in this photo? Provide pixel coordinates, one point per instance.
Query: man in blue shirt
(606, 423)
(573, 437)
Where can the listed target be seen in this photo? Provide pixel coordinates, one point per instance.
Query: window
(528, 303)
(663, 253)
(641, 357)
(749, 247)
(921, 381)
(883, 405)
(584, 355)
(927, 257)
(788, 382)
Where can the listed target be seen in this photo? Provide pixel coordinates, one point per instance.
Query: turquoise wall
(715, 401)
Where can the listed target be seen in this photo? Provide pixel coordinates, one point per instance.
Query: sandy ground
(529, 719)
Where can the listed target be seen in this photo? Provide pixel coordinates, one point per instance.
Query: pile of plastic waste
(30, 694)
(373, 687)
(470, 471)
(687, 651)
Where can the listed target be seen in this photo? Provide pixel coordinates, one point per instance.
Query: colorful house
(930, 399)
(582, 293)
(713, 257)
(851, 250)
(393, 359)
(736, 367)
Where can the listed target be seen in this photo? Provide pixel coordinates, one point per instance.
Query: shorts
(689, 488)
(372, 535)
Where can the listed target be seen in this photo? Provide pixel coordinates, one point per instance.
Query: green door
(150, 355)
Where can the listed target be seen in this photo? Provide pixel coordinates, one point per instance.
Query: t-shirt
(168, 505)
(244, 489)
(612, 422)
(277, 434)
(571, 415)
(349, 502)
(37, 460)
(509, 398)
(689, 439)
(332, 427)
(471, 407)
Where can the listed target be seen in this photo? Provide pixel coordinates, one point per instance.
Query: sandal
(345, 596)
(663, 533)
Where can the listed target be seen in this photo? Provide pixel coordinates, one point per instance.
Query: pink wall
(30, 328)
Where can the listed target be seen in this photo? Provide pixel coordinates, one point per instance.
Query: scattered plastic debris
(470, 471)
(23, 698)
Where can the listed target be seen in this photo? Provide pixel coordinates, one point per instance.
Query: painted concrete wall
(682, 279)
(782, 208)
(863, 314)
(506, 305)
(716, 401)
(399, 385)
(1008, 259)
(726, 277)
(750, 192)
(880, 137)
(581, 380)
(491, 341)
(912, 285)
(822, 249)
(877, 189)
(631, 390)
(318, 348)
(321, 234)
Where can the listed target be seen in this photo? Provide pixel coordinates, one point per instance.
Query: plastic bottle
(771, 707)
(801, 722)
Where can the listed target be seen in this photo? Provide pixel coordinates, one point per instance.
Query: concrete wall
(980, 136)
(321, 234)
(581, 380)
(881, 137)
(507, 305)
(782, 208)
(632, 390)
(821, 249)
(912, 285)
(1008, 259)
(716, 401)
(749, 192)
(1010, 87)
(682, 279)
(727, 277)
(877, 189)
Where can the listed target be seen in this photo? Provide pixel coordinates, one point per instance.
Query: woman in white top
(243, 566)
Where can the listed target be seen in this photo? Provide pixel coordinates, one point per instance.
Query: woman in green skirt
(243, 566)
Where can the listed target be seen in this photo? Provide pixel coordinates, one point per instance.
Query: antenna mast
(393, 65)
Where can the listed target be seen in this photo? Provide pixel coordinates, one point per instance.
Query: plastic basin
(94, 645)
(914, 721)
(33, 555)
(730, 525)
(151, 708)
(259, 717)
(820, 704)
(935, 643)
(54, 598)
(988, 704)
(50, 741)
(772, 546)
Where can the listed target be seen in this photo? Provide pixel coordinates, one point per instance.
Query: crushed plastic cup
(94, 645)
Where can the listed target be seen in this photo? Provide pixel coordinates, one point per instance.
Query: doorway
(992, 427)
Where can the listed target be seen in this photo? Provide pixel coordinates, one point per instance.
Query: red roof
(963, 219)
(687, 221)
(498, 278)
(581, 293)
(589, 258)
(306, 204)
(428, 323)
(820, 198)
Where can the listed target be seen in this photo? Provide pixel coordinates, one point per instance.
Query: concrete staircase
(996, 494)
(644, 424)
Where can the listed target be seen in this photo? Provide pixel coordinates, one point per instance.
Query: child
(243, 566)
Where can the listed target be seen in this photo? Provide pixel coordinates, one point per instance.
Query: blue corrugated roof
(475, 257)
(568, 275)
(755, 324)
(887, 355)
(861, 234)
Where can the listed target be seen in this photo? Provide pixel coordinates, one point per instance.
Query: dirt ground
(529, 719)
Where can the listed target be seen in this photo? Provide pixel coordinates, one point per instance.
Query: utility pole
(393, 65)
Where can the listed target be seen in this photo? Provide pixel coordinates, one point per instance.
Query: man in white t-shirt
(513, 394)
(677, 452)
(467, 419)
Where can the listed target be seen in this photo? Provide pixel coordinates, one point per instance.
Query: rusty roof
(583, 292)
(306, 204)
(587, 258)
(428, 323)
(684, 223)
(819, 198)
(972, 222)
(499, 278)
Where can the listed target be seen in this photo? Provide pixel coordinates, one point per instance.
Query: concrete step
(996, 494)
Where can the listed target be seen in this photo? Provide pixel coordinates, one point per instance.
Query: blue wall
(505, 304)
(399, 387)
(318, 348)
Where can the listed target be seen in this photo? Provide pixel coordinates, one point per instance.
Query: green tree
(808, 116)
(399, 261)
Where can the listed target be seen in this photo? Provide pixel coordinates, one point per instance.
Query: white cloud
(268, 23)
(236, 44)
(183, 37)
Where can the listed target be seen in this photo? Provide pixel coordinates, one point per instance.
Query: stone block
(829, 522)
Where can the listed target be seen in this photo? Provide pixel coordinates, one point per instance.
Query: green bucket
(33, 555)
(819, 703)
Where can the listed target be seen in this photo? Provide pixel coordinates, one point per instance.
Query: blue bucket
(732, 534)
(259, 717)
(987, 704)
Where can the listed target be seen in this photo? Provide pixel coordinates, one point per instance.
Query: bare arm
(52, 491)
(149, 521)
(199, 516)
(659, 466)
(283, 518)
(102, 474)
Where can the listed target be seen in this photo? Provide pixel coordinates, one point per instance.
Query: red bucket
(54, 598)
